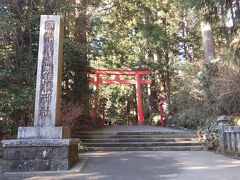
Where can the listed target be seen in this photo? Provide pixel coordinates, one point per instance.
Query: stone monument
(222, 122)
(46, 146)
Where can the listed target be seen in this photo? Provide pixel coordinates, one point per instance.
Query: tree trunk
(209, 52)
(30, 54)
(168, 85)
(81, 24)
(149, 103)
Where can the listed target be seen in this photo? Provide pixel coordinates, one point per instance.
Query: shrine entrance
(137, 80)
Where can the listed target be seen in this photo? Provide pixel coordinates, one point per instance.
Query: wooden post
(139, 100)
(128, 111)
(96, 89)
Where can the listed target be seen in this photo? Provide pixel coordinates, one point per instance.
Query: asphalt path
(145, 165)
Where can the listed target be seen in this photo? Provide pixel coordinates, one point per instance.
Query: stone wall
(41, 155)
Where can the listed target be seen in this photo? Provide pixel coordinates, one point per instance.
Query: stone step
(141, 140)
(79, 133)
(154, 148)
(94, 136)
(141, 144)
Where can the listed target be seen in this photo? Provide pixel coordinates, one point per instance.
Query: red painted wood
(97, 80)
(120, 81)
(139, 100)
(96, 87)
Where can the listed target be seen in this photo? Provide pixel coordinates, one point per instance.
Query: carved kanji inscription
(46, 85)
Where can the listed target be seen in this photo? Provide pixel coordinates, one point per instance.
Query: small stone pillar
(46, 146)
(222, 121)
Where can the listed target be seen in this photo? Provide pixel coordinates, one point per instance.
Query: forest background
(163, 36)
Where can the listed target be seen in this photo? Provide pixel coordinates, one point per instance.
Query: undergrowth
(203, 91)
(81, 147)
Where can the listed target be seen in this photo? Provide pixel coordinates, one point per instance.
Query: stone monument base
(40, 154)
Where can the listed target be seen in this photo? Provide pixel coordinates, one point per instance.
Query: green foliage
(117, 98)
(194, 117)
(81, 147)
(191, 104)
(213, 92)
(162, 36)
(73, 63)
(211, 89)
(19, 34)
(225, 88)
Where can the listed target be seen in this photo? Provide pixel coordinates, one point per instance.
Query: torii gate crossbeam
(138, 81)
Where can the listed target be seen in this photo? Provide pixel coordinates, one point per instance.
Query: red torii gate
(138, 81)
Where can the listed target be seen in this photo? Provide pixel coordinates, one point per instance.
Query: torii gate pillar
(139, 100)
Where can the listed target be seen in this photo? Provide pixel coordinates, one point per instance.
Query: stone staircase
(139, 140)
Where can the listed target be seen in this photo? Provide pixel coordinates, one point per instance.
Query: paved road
(200, 165)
